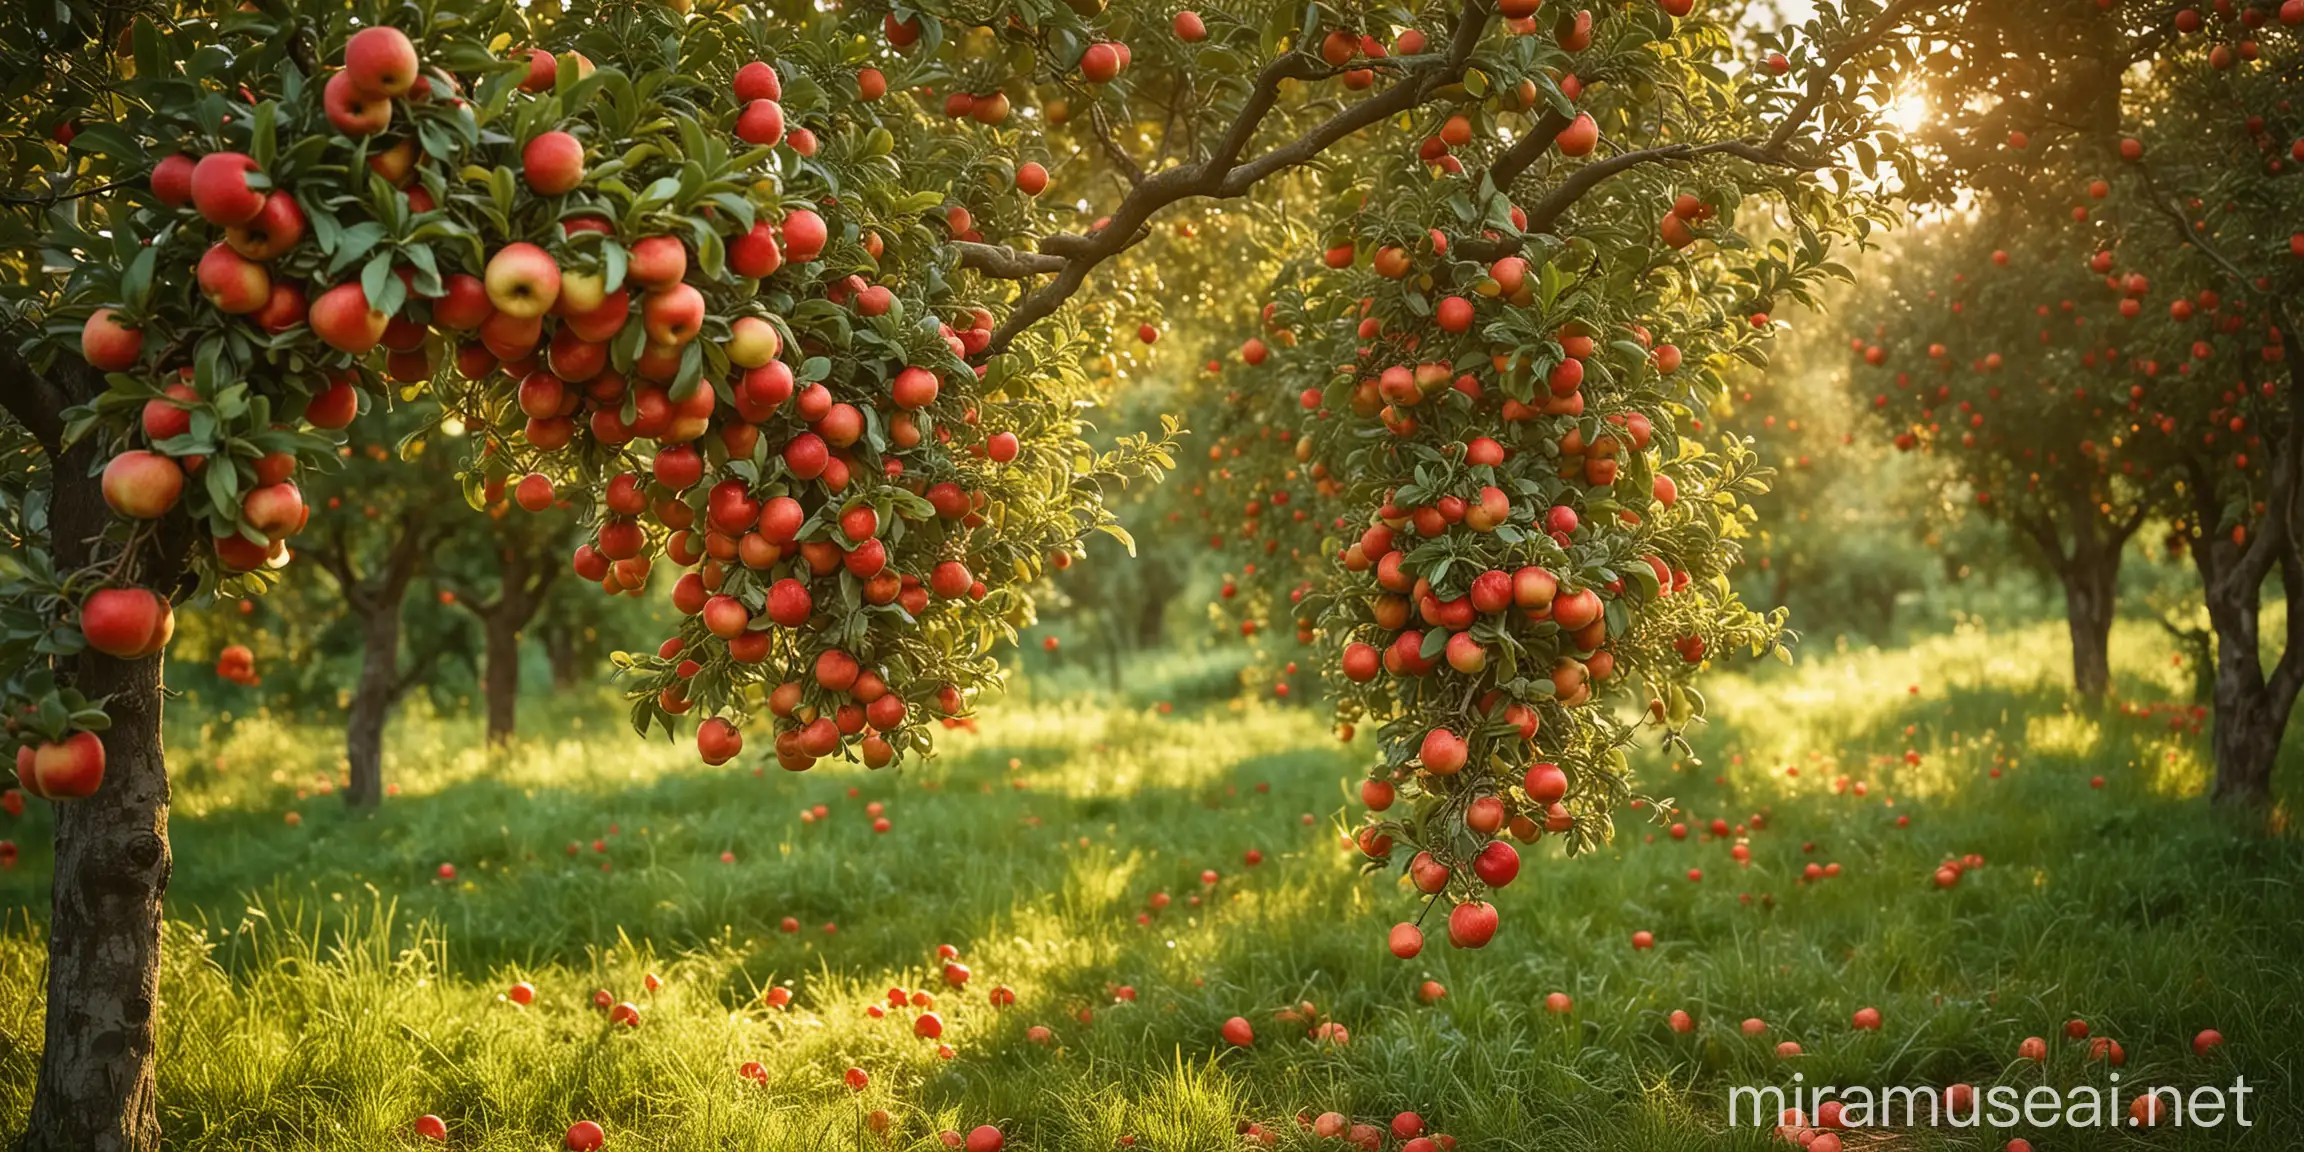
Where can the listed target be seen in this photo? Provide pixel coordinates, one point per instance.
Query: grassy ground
(326, 985)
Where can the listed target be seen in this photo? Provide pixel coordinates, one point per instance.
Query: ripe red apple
(761, 122)
(233, 283)
(1100, 63)
(1472, 925)
(220, 189)
(755, 254)
(552, 163)
(431, 1127)
(380, 62)
(142, 485)
(1190, 28)
(1442, 752)
(172, 180)
(283, 309)
(657, 262)
(1031, 178)
(351, 111)
(108, 345)
(1580, 136)
(522, 281)
(1238, 1032)
(584, 1135)
(673, 316)
(1497, 864)
(276, 510)
(463, 304)
(163, 419)
(343, 318)
(126, 623)
(804, 235)
(70, 769)
(758, 81)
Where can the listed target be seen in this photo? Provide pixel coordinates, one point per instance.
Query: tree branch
(1001, 262)
(54, 198)
(1820, 84)
(1130, 170)
(34, 400)
(1224, 175)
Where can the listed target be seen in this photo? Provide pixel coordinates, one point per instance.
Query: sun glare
(1909, 112)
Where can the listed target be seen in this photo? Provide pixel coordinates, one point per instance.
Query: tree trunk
(500, 679)
(97, 1089)
(2088, 609)
(2249, 720)
(372, 702)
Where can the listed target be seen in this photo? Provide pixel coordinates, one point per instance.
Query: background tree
(381, 520)
(2165, 136)
(1986, 356)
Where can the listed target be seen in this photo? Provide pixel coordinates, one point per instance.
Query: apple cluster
(654, 296)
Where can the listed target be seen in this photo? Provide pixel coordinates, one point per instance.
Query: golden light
(1909, 112)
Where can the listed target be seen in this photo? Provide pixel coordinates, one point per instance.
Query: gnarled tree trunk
(97, 1089)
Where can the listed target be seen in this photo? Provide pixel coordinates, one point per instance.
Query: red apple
(352, 112)
(543, 71)
(761, 122)
(552, 163)
(758, 81)
(804, 235)
(283, 309)
(220, 189)
(126, 623)
(674, 315)
(522, 280)
(755, 254)
(172, 180)
(333, 407)
(233, 283)
(380, 62)
(142, 485)
(274, 509)
(463, 305)
(108, 345)
(276, 229)
(70, 769)
(657, 262)
(343, 318)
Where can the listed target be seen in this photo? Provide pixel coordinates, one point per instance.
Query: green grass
(324, 986)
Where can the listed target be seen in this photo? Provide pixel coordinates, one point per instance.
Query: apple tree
(2162, 141)
(766, 294)
(2014, 356)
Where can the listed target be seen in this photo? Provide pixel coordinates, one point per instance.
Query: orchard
(1174, 541)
